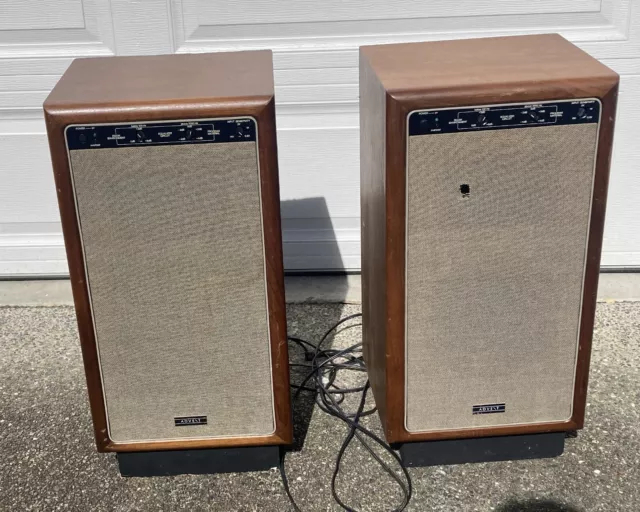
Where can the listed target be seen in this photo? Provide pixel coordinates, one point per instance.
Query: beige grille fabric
(173, 245)
(494, 280)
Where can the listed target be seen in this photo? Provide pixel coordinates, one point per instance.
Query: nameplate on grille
(185, 421)
(489, 408)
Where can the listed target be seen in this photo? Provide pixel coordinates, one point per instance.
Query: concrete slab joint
(318, 289)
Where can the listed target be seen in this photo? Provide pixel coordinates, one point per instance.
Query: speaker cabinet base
(482, 449)
(199, 462)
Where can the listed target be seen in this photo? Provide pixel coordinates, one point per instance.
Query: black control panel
(160, 133)
(500, 117)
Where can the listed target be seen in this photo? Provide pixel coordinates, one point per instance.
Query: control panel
(160, 133)
(499, 117)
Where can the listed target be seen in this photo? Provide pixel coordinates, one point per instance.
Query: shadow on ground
(302, 216)
(534, 505)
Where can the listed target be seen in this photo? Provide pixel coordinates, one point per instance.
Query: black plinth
(198, 462)
(482, 449)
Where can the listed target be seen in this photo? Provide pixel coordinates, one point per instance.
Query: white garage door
(315, 55)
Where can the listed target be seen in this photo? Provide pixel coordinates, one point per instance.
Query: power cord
(324, 366)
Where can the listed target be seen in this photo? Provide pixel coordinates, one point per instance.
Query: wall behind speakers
(484, 170)
(167, 181)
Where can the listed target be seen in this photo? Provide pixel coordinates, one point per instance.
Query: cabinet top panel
(117, 82)
(516, 61)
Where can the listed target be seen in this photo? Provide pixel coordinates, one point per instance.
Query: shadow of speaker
(533, 505)
(310, 247)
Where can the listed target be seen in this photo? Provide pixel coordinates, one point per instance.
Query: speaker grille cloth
(174, 254)
(494, 280)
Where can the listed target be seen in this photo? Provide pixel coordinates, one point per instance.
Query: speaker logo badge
(489, 408)
(185, 421)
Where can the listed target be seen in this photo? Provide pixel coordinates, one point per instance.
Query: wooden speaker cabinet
(167, 181)
(484, 170)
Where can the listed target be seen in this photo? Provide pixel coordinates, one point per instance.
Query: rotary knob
(482, 120)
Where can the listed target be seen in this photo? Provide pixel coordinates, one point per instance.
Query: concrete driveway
(48, 461)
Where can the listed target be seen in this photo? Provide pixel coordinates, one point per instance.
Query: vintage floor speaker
(484, 169)
(167, 181)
